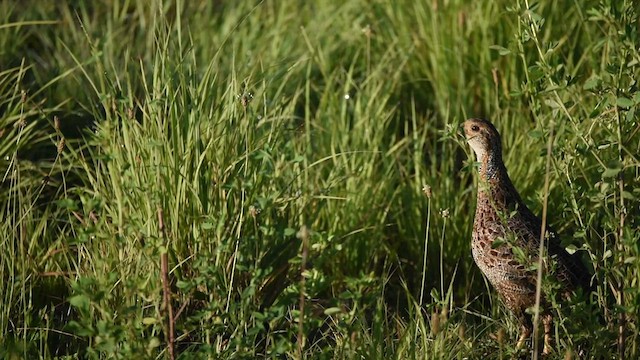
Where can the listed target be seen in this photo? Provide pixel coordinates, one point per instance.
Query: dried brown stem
(303, 234)
(166, 290)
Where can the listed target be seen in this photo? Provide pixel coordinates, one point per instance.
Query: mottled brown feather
(506, 234)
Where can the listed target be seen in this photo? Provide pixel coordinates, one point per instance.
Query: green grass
(206, 136)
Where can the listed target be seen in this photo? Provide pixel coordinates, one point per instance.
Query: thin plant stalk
(425, 253)
(543, 230)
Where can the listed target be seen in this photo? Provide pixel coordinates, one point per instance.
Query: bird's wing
(567, 268)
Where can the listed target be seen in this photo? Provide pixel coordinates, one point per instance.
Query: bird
(506, 238)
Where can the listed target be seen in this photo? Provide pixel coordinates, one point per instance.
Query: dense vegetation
(241, 179)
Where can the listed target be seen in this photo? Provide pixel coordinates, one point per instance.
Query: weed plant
(285, 179)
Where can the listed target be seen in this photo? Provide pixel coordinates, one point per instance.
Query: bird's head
(483, 138)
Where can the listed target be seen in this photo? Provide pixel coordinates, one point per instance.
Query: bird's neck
(494, 180)
(491, 167)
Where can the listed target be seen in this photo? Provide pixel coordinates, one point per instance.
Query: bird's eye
(475, 128)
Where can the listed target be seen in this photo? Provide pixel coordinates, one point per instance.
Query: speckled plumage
(506, 235)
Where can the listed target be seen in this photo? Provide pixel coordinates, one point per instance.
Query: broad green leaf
(624, 102)
(608, 173)
(149, 320)
(591, 83)
(80, 301)
(332, 310)
(501, 50)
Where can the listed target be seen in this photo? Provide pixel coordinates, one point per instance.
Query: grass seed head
(435, 323)
(303, 233)
(254, 211)
(61, 146)
(568, 355)
(461, 331)
(21, 123)
(426, 189)
(500, 336)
